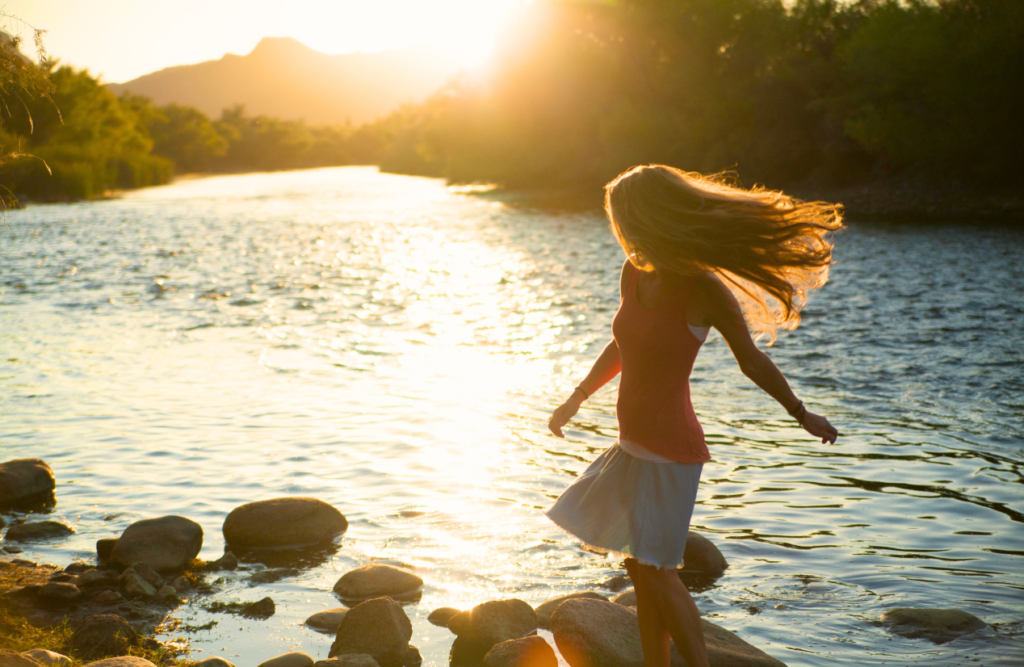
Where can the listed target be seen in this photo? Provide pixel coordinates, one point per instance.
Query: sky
(123, 39)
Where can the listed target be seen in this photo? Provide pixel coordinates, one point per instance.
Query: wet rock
(293, 659)
(149, 574)
(96, 578)
(412, 657)
(349, 660)
(108, 597)
(3, 522)
(378, 628)
(49, 657)
(180, 584)
(77, 567)
(38, 531)
(61, 577)
(283, 522)
(526, 652)
(270, 576)
(165, 543)
(226, 562)
(545, 610)
(264, 608)
(11, 549)
(374, 580)
(593, 632)
(60, 592)
(24, 480)
(105, 547)
(134, 586)
(442, 615)
(328, 620)
(616, 583)
(167, 594)
(103, 634)
(937, 625)
(496, 621)
(215, 661)
(626, 598)
(466, 652)
(701, 555)
(9, 658)
(122, 661)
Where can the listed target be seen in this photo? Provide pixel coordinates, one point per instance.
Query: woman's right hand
(563, 413)
(819, 427)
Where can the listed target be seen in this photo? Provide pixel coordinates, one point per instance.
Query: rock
(545, 610)
(264, 608)
(626, 598)
(122, 661)
(378, 628)
(164, 544)
(283, 522)
(134, 586)
(60, 592)
(467, 653)
(226, 562)
(149, 574)
(496, 621)
(38, 530)
(96, 578)
(526, 652)
(9, 658)
(77, 567)
(595, 633)
(617, 583)
(442, 615)
(108, 597)
(49, 657)
(103, 634)
(413, 658)
(167, 594)
(293, 659)
(23, 480)
(270, 576)
(11, 549)
(328, 620)
(61, 577)
(180, 584)
(936, 625)
(214, 662)
(702, 555)
(375, 580)
(349, 660)
(105, 547)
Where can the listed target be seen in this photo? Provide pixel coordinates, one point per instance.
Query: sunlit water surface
(394, 347)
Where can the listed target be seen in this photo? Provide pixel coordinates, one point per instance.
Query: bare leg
(678, 613)
(654, 637)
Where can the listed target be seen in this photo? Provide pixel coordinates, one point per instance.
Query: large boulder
(293, 659)
(328, 620)
(701, 555)
(545, 609)
(164, 544)
(283, 522)
(122, 661)
(37, 531)
(9, 658)
(936, 625)
(349, 660)
(103, 634)
(49, 657)
(24, 480)
(442, 615)
(595, 633)
(214, 661)
(494, 622)
(375, 580)
(378, 628)
(526, 652)
(60, 592)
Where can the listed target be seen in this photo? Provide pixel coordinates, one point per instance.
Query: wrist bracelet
(582, 391)
(798, 413)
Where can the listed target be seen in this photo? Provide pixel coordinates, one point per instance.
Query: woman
(696, 247)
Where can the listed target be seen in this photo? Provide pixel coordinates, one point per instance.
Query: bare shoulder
(624, 277)
(712, 298)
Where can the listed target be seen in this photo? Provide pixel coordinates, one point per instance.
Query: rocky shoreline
(112, 605)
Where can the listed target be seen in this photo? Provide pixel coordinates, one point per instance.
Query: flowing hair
(767, 247)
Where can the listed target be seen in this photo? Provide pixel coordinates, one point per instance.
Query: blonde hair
(769, 248)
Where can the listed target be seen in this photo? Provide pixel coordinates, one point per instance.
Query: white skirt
(631, 507)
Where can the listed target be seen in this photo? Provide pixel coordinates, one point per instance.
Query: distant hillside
(286, 79)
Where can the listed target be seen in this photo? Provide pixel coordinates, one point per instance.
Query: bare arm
(718, 305)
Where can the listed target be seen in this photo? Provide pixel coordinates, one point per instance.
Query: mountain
(286, 79)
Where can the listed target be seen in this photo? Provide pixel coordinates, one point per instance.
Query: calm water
(394, 348)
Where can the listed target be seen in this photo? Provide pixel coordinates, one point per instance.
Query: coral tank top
(657, 350)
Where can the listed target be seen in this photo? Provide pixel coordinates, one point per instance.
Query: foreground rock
(24, 480)
(37, 531)
(626, 598)
(701, 555)
(123, 661)
(283, 522)
(60, 593)
(328, 620)
(9, 658)
(105, 548)
(134, 586)
(493, 622)
(49, 657)
(293, 659)
(937, 625)
(375, 580)
(164, 544)
(545, 610)
(442, 615)
(103, 634)
(378, 628)
(215, 661)
(349, 660)
(594, 633)
(526, 652)
(264, 608)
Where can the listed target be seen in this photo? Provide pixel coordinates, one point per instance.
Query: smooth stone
(77, 567)
(134, 586)
(168, 594)
(25, 479)
(94, 578)
(626, 598)
(3, 522)
(526, 652)
(149, 574)
(105, 547)
(701, 555)
(467, 653)
(9, 658)
(495, 621)
(378, 628)
(375, 580)
(545, 609)
(283, 522)
(165, 543)
(122, 661)
(617, 583)
(103, 634)
(226, 562)
(215, 661)
(349, 660)
(594, 633)
(38, 530)
(328, 620)
(442, 615)
(264, 608)
(108, 597)
(49, 657)
(937, 625)
(293, 659)
(181, 584)
(59, 591)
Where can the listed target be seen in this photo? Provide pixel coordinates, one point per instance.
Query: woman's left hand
(819, 427)
(563, 413)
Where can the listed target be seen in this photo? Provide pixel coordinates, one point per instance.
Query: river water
(394, 347)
